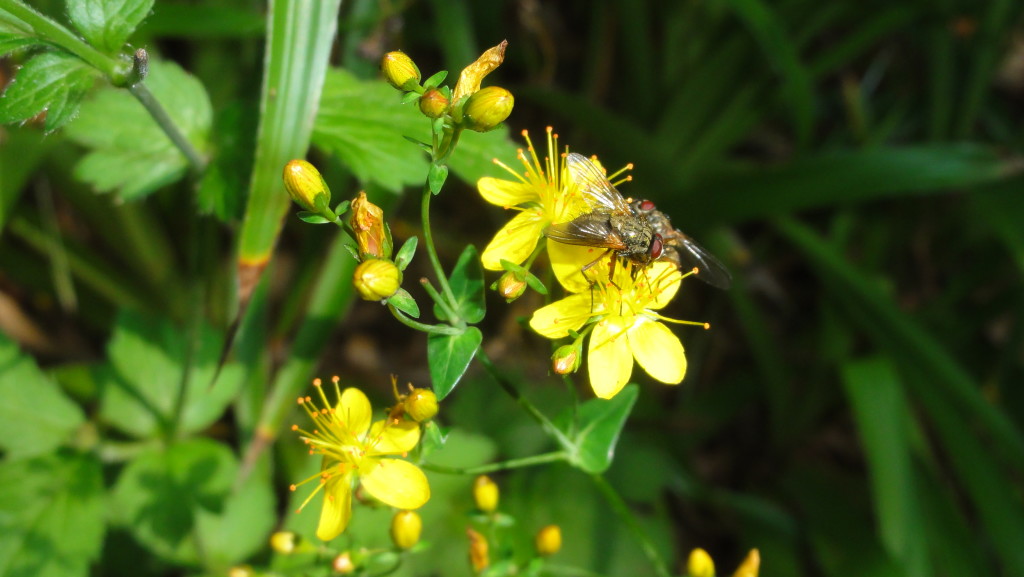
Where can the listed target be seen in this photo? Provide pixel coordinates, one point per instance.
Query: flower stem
(428, 240)
(533, 411)
(622, 510)
(541, 459)
(435, 329)
(196, 162)
(437, 298)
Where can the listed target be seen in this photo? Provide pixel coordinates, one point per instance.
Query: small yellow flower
(354, 450)
(548, 540)
(543, 194)
(625, 325)
(485, 494)
(700, 564)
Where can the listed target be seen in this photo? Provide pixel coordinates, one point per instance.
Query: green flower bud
(566, 359)
(487, 108)
(400, 71)
(433, 104)
(485, 494)
(548, 540)
(700, 564)
(406, 527)
(420, 405)
(306, 186)
(510, 287)
(377, 279)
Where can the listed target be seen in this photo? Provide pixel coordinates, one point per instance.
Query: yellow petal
(658, 351)
(354, 411)
(665, 280)
(567, 261)
(555, 320)
(515, 241)
(506, 193)
(609, 361)
(394, 438)
(395, 482)
(337, 509)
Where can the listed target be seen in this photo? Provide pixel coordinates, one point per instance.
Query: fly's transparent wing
(709, 268)
(587, 230)
(594, 186)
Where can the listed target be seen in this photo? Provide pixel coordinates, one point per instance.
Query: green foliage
(599, 425)
(107, 24)
(53, 81)
(467, 284)
(128, 151)
(449, 357)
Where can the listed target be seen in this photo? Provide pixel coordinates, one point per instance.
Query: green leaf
(54, 82)
(405, 254)
(467, 283)
(242, 528)
(883, 415)
(600, 423)
(35, 415)
(162, 493)
(11, 42)
(107, 24)
(51, 516)
(436, 176)
(404, 302)
(435, 80)
(449, 357)
(311, 217)
(147, 357)
(130, 153)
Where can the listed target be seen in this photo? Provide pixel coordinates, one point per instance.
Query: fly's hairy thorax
(635, 232)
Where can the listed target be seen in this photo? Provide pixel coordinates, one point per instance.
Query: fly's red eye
(646, 205)
(656, 247)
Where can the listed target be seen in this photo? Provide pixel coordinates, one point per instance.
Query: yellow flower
(543, 194)
(624, 325)
(352, 450)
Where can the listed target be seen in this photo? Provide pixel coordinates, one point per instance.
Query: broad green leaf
(449, 357)
(52, 512)
(54, 82)
(129, 153)
(35, 415)
(147, 357)
(600, 423)
(107, 24)
(242, 528)
(11, 42)
(883, 415)
(436, 175)
(467, 283)
(161, 495)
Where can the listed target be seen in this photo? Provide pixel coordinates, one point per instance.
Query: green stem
(428, 240)
(538, 416)
(541, 459)
(52, 32)
(434, 329)
(622, 510)
(196, 162)
(437, 298)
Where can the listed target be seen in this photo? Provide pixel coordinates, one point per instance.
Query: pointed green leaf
(311, 217)
(129, 151)
(54, 82)
(107, 24)
(600, 423)
(449, 357)
(436, 176)
(35, 415)
(10, 42)
(467, 283)
(404, 302)
(160, 495)
(405, 254)
(436, 79)
(52, 512)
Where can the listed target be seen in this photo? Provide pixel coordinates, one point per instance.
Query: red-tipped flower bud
(377, 279)
(400, 71)
(343, 564)
(510, 287)
(433, 104)
(566, 359)
(487, 108)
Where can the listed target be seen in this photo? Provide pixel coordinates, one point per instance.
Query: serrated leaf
(107, 24)
(600, 423)
(130, 153)
(54, 82)
(51, 516)
(147, 357)
(436, 176)
(467, 284)
(36, 417)
(449, 357)
(404, 302)
(160, 495)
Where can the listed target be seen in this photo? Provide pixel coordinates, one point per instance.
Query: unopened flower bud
(750, 566)
(420, 405)
(548, 540)
(478, 551)
(372, 234)
(566, 359)
(377, 279)
(240, 571)
(400, 71)
(406, 527)
(433, 104)
(700, 564)
(487, 108)
(307, 187)
(485, 494)
(510, 287)
(284, 542)
(343, 564)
